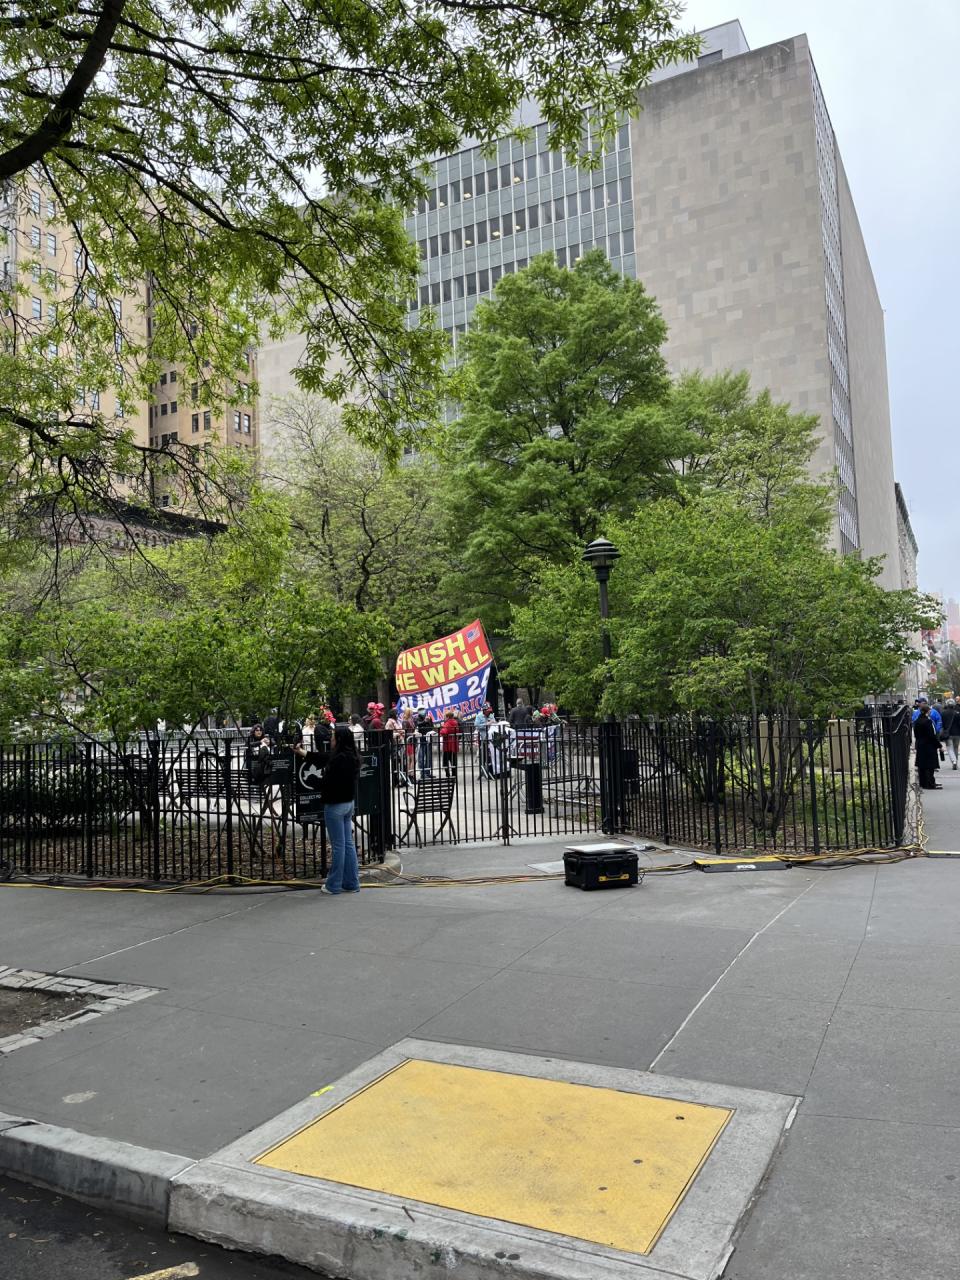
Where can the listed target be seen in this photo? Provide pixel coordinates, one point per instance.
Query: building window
(628, 240)
(117, 341)
(52, 350)
(435, 293)
(173, 406)
(423, 247)
(118, 410)
(94, 399)
(35, 273)
(206, 419)
(35, 202)
(163, 410)
(51, 209)
(236, 421)
(37, 306)
(626, 189)
(246, 424)
(483, 280)
(35, 237)
(173, 375)
(163, 379)
(623, 137)
(194, 388)
(51, 243)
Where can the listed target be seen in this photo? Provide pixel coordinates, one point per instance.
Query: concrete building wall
(728, 224)
(869, 398)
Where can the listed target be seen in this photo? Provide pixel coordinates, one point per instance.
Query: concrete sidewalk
(840, 986)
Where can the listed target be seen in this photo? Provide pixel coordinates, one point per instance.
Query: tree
(561, 425)
(368, 532)
(727, 601)
(250, 161)
(218, 625)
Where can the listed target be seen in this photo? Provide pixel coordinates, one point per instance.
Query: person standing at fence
(484, 719)
(951, 730)
(257, 755)
(450, 742)
(338, 789)
(929, 750)
(932, 712)
(520, 716)
(425, 744)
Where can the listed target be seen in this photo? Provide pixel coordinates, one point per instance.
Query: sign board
(309, 772)
(451, 672)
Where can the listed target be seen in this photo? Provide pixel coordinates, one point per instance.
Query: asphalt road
(43, 1236)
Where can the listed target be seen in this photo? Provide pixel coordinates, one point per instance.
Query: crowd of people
(936, 732)
(415, 734)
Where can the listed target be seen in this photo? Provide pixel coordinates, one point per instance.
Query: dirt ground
(20, 1010)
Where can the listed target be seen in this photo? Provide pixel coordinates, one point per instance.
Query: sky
(890, 75)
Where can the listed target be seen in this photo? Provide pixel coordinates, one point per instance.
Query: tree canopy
(219, 625)
(561, 425)
(250, 161)
(727, 598)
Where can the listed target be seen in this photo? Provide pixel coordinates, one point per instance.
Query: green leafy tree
(369, 532)
(218, 625)
(729, 600)
(252, 161)
(561, 426)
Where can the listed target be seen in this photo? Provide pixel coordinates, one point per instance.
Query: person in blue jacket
(934, 715)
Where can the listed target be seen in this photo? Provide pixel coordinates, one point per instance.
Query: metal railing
(194, 808)
(760, 784)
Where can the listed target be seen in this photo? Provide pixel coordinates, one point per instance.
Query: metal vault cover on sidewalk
(590, 1162)
(433, 1158)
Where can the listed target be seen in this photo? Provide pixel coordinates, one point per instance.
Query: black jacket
(339, 781)
(951, 722)
(928, 746)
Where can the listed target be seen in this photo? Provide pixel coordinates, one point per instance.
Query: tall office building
(728, 198)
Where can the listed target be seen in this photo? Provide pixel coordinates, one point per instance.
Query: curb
(133, 1181)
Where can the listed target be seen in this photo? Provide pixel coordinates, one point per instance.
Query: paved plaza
(840, 987)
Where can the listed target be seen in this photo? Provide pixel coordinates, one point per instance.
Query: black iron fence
(177, 809)
(759, 784)
(197, 808)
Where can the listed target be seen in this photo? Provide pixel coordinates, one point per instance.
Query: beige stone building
(45, 268)
(728, 198)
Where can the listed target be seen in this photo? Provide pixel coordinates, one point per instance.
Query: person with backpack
(338, 789)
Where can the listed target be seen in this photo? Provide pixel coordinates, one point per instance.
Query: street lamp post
(601, 556)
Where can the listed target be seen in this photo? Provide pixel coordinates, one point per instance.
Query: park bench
(206, 782)
(431, 795)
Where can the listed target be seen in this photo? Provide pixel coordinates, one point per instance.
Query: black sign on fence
(309, 773)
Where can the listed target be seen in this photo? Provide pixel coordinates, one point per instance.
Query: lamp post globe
(601, 556)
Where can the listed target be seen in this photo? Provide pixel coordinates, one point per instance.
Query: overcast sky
(889, 73)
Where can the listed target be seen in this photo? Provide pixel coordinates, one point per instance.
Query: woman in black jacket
(929, 750)
(338, 789)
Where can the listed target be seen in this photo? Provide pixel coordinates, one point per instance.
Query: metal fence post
(814, 808)
(897, 743)
(28, 811)
(611, 777)
(713, 774)
(227, 762)
(88, 808)
(153, 799)
(662, 775)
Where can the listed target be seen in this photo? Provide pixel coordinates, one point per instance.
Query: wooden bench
(431, 795)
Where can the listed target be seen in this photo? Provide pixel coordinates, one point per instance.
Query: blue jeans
(344, 873)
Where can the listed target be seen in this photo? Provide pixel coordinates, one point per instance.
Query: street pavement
(43, 1235)
(841, 986)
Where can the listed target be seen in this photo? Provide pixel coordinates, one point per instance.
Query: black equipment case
(599, 866)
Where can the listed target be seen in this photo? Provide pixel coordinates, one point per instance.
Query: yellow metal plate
(592, 1163)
